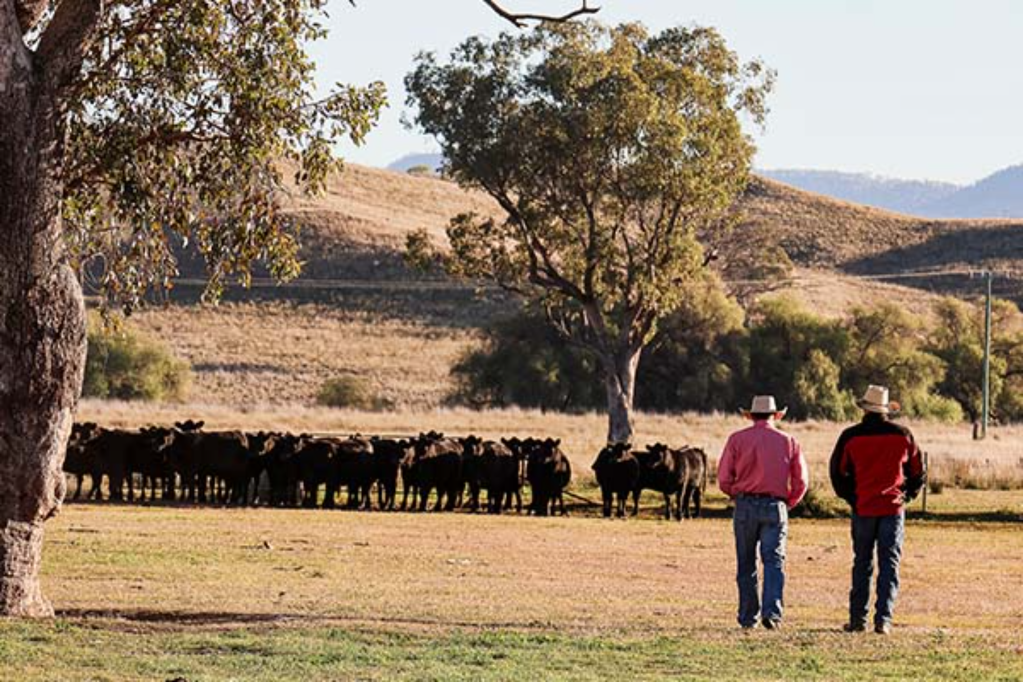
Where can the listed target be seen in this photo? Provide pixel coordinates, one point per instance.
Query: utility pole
(986, 404)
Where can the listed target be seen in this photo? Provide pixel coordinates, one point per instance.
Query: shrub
(421, 171)
(817, 385)
(349, 392)
(818, 504)
(125, 366)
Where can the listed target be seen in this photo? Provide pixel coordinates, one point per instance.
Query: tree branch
(29, 13)
(12, 47)
(520, 20)
(67, 38)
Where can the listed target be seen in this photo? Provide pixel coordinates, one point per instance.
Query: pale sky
(923, 89)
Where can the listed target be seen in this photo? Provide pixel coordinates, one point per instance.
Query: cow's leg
(697, 501)
(635, 501)
(685, 501)
(78, 486)
(667, 506)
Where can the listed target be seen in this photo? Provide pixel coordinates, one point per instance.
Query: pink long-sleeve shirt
(761, 460)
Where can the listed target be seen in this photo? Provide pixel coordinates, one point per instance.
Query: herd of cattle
(185, 463)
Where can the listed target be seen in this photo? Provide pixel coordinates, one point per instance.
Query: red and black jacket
(876, 467)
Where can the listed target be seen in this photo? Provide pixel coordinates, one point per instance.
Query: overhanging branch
(520, 20)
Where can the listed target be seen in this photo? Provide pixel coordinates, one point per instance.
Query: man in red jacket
(877, 468)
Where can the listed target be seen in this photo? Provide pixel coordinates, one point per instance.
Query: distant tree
(958, 340)
(783, 338)
(888, 346)
(609, 150)
(421, 171)
(127, 126)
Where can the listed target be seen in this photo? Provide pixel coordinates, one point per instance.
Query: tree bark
(42, 320)
(620, 382)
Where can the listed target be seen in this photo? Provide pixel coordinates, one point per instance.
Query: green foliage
(706, 357)
(349, 392)
(523, 362)
(421, 171)
(816, 383)
(697, 361)
(185, 120)
(610, 151)
(122, 365)
(782, 336)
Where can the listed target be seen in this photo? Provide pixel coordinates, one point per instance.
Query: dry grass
(245, 354)
(440, 571)
(582, 435)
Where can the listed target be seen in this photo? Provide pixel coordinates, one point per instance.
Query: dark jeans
(763, 522)
(886, 534)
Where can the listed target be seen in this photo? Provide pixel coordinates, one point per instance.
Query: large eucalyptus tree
(612, 153)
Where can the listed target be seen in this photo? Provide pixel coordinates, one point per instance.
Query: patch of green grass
(72, 651)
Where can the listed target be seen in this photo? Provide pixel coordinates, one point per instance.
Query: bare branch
(520, 20)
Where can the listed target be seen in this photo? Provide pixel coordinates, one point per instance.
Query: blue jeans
(762, 521)
(886, 534)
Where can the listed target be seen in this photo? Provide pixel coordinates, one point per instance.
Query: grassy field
(216, 594)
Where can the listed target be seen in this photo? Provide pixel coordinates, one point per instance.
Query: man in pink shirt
(764, 472)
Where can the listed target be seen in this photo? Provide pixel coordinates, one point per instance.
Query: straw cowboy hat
(764, 404)
(876, 400)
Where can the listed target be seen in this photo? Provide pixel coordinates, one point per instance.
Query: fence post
(986, 405)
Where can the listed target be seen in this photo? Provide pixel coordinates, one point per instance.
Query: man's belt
(762, 496)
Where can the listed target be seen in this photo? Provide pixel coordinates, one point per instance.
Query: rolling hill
(399, 332)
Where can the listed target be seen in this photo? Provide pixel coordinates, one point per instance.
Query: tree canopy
(185, 121)
(611, 151)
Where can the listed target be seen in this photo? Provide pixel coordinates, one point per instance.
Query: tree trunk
(42, 325)
(620, 381)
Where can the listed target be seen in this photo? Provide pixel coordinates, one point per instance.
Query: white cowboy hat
(876, 400)
(765, 404)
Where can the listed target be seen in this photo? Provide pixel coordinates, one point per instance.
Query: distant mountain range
(997, 196)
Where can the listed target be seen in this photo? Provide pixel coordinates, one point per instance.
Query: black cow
(501, 477)
(438, 466)
(617, 472)
(353, 467)
(208, 460)
(666, 471)
(79, 460)
(549, 472)
(696, 463)
(387, 458)
(281, 469)
(472, 468)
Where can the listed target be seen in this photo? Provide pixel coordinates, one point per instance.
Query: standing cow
(617, 472)
(439, 467)
(666, 471)
(549, 473)
(696, 462)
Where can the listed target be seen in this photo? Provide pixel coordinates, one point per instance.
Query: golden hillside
(400, 337)
(369, 211)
